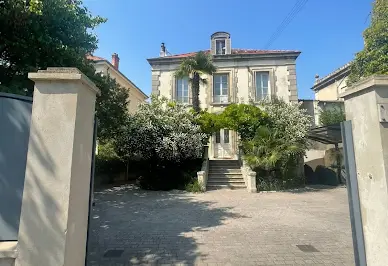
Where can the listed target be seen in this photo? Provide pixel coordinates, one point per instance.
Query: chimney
(115, 61)
(162, 50)
(316, 78)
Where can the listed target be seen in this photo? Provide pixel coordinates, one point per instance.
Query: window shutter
(213, 46)
(228, 46)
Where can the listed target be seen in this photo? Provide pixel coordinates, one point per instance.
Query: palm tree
(193, 67)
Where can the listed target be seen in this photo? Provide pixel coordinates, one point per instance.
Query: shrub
(108, 164)
(166, 138)
(331, 116)
(245, 119)
(276, 150)
(194, 186)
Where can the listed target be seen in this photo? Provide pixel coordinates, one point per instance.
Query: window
(218, 136)
(220, 47)
(220, 88)
(262, 85)
(226, 135)
(182, 90)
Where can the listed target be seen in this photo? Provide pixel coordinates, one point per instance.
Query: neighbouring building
(331, 86)
(242, 75)
(327, 91)
(103, 66)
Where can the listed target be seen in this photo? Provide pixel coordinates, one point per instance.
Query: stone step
(224, 163)
(220, 176)
(225, 181)
(230, 186)
(225, 171)
(217, 167)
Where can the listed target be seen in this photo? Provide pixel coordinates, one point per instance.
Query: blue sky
(327, 32)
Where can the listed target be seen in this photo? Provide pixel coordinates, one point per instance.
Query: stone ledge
(8, 249)
(63, 74)
(376, 80)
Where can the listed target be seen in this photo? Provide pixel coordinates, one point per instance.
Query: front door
(223, 147)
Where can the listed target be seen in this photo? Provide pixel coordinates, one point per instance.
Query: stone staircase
(225, 174)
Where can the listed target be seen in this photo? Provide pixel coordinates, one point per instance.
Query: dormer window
(220, 43)
(220, 47)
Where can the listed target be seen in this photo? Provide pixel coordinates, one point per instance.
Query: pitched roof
(95, 58)
(237, 52)
(339, 72)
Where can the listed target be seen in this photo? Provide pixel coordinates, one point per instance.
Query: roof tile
(236, 51)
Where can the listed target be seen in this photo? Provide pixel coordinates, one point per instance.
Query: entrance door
(223, 147)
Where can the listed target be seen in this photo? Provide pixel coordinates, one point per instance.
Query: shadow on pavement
(150, 226)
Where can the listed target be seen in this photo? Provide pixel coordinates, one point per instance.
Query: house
(242, 75)
(327, 91)
(103, 66)
(331, 86)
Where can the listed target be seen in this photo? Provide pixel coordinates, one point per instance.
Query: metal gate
(91, 190)
(15, 117)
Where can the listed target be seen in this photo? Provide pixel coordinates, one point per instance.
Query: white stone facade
(240, 67)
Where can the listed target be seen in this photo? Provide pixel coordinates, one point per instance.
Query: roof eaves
(286, 54)
(342, 71)
(123, 76)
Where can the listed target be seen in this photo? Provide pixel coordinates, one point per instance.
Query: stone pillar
(366, 105)
(55, 205)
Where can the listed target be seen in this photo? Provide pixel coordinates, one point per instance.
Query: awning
(327, 134)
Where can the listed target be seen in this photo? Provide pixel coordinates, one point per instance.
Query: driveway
(223, 227)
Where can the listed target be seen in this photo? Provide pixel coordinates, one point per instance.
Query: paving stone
(221, 227)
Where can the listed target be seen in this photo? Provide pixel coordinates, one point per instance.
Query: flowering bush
(290, 121)
(165, 135)
(276, 150)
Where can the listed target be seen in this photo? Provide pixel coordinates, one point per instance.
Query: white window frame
(222, 98)
(179, 99)
(266, 95)
(223, 50)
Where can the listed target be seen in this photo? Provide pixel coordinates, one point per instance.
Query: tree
(331, 116)
(374, 58)
(193, 67)
(37, 34)
(245, 119)
(111, 106)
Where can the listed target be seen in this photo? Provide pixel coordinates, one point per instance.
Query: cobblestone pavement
(223, 227)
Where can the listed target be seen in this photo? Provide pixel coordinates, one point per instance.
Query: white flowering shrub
(164, 130)
(276, 150)
(165, 136)
(290, 121)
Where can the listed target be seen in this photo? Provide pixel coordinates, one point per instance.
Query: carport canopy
(327, 134)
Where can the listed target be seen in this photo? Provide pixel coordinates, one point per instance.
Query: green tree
(245, 119)
(331, 116)
(37, 34)
(111, 106)
(193, 67)
(373, 59)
